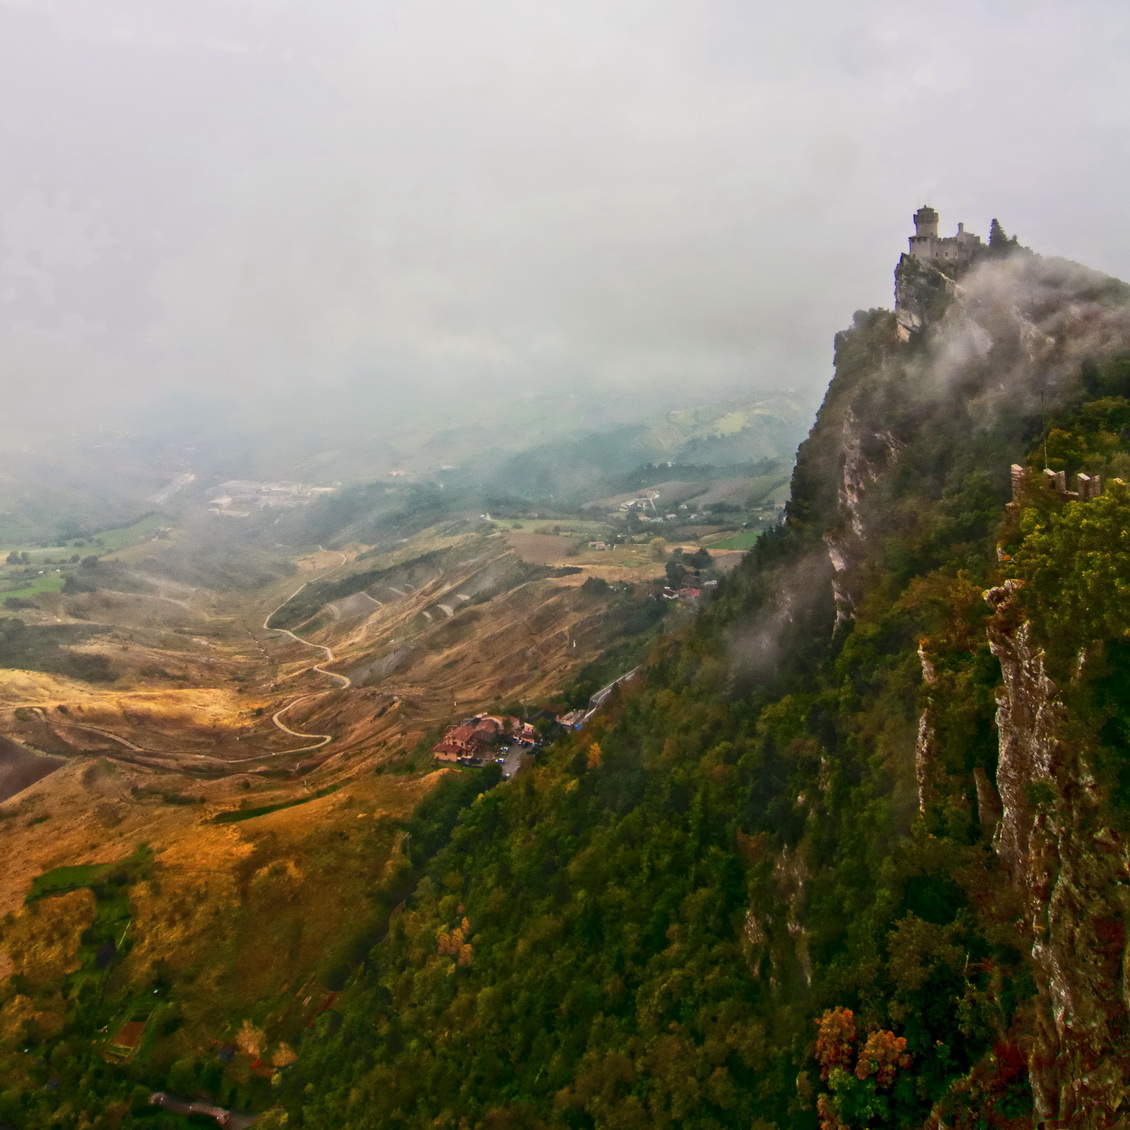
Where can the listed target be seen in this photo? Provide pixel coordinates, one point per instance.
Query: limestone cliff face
(1028, 720)
(1072, 875)
(985, 340)
(865, 454)
(925, 754)
(921, 295)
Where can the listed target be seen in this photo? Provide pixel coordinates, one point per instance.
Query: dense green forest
(775, 883)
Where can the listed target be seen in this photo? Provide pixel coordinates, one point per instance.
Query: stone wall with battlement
(1024, 481)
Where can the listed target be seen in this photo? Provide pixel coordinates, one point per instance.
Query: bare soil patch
(540, 549)
(20, 768)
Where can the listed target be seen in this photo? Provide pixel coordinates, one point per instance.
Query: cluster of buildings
(238, 497)
(475, 741)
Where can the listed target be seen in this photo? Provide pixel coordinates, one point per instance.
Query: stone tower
(925, 233)
(926, 222)
(927, 274)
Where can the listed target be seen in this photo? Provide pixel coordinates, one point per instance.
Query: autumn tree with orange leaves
(858, 1096)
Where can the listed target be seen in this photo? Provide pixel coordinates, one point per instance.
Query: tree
(860, 1097)
(676, 571)
(999, 241)
(272, 1119)
(182, 1076)
(1075, 563)
(657, 547)
(835, 1040)
(700, 559)
(882, 1055)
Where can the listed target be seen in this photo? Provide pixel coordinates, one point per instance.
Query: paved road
(319, 740)
(330, 657)
(276, 718)
(513, 763)
(94, 730)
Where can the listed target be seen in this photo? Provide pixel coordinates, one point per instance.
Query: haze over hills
(82, 484)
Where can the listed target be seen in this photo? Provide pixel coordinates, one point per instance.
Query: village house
(488, 729)
(457, 744)
(475, 739)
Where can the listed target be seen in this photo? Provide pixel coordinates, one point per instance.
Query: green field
(764, 489)
(747, 539)
(48, 582)
(25, 581)
(61, 880)
(104, 541)
(122, 537)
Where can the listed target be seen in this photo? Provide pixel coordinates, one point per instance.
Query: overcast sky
(258, 195)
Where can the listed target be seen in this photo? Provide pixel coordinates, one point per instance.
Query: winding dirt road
(342, 680)
(318, 740)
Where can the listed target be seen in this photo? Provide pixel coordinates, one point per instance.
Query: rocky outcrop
(1028, 721)
(1071, 873)
(865, 454)
(988, 351)
(921, 295)
(924, 755)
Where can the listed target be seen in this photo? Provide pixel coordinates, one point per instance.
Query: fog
(257, 203)
(1029, 324)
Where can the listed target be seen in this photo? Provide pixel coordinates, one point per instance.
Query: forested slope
(853, 851)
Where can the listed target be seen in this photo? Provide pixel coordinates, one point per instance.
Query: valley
(259, 717)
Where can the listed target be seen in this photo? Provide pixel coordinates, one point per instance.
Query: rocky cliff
(1070, 871)
(1012, 334)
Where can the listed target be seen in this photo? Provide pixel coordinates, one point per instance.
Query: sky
(262, 200)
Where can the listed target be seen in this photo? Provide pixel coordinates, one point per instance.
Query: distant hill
(723, 434)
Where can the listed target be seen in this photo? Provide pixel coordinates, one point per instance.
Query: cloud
(126, 24)
(467, 197)
(40, 235)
